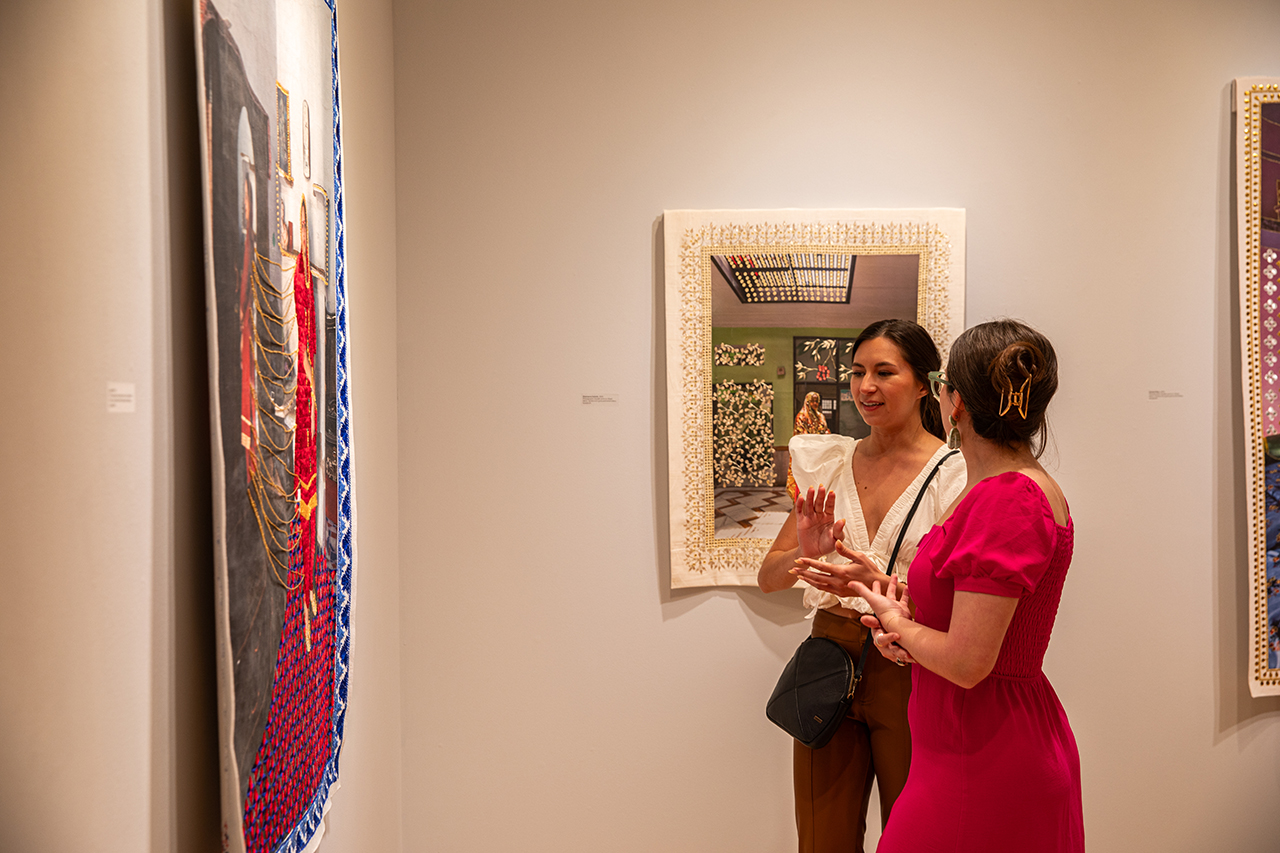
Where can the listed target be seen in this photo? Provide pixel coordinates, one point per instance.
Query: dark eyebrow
(877, 364)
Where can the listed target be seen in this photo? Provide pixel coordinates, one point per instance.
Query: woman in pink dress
(994, 763)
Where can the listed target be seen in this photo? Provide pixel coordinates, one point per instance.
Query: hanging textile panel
(277, 309)
(1257, 108)
(759, 307)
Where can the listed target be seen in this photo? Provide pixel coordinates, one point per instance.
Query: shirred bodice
(1001, 539)
(1022, 653)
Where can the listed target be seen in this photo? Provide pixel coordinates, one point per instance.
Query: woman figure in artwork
(811, 421)
(995, 766)
(855, 500)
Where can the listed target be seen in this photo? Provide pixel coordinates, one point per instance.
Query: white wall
(85, 727)
(555, 695)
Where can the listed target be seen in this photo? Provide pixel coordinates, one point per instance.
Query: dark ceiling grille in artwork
(788, 277)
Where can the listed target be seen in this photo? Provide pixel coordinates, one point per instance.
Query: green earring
(953, 437)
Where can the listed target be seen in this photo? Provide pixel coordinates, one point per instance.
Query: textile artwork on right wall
(1257, 117)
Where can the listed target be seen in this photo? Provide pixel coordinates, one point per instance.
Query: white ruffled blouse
(828, 459)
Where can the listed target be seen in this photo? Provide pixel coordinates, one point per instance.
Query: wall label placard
(122, 398)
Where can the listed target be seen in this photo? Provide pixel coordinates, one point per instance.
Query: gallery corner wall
(106, 693)
(85, 674)
(367, 814)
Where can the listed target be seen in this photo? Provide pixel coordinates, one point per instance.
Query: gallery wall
(85, 667)
(555, 695)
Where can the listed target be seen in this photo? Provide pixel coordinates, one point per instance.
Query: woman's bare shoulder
(1052, 491)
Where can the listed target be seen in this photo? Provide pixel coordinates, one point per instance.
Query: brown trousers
(833, 784)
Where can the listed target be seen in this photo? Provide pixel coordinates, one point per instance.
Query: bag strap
(902, 532)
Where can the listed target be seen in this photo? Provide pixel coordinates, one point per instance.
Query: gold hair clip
(1016, 399)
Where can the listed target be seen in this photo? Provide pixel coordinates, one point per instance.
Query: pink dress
(995, 767)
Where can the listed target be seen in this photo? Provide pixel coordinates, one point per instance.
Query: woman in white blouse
(854, 496)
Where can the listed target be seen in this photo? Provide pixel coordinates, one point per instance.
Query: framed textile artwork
(280, 402)
(761, 309)
(1257, 118)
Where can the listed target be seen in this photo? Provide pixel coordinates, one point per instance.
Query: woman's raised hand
(890, 606)
(816, 525)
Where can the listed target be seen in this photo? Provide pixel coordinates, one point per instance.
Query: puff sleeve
(1004, 538)
(820, 459)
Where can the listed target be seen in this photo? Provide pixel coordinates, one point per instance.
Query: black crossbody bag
(817, 685)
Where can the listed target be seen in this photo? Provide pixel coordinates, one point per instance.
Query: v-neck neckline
(895, 509)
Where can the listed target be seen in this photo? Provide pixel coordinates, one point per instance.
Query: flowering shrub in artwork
(742, 433)
(747, 355)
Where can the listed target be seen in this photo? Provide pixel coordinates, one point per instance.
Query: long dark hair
(994, 362)
(920, 352)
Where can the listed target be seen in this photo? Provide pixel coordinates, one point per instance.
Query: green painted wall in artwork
(777, 345)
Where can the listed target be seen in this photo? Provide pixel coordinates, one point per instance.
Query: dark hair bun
(1006, 372)
(1012, 372)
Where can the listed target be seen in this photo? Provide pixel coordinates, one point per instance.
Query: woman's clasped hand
(862, 577)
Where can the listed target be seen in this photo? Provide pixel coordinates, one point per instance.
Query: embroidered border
(1258, 380)
(701, 559)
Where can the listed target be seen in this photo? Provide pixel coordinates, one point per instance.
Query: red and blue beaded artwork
(276, 289)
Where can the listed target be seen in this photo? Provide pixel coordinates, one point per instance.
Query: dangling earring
(953, 437)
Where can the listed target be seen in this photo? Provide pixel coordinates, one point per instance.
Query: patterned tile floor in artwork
(751, 513)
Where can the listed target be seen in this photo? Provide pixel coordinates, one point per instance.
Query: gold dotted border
(1249, 125)
(741, 558)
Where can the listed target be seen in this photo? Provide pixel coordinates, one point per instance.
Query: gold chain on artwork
(270, 488)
